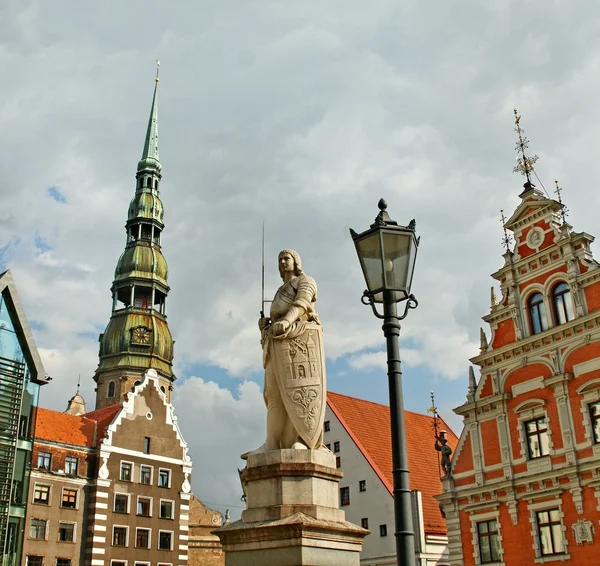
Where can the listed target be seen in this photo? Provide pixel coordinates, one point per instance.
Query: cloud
(219, 426)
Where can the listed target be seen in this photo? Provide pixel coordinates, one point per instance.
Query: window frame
(383, 530)
(111, 386)
(344, 496)
(149, 537)
(68, 462)
(362, 485)
(326, 426)
(47, 468)
(172, 502)
(495, 551)
(69, 563)
(338, 462)
(151, 468)
(127, 505)
(163, 531)
(41, 563)
(74, 525)
(168, 470)
(566, 298)
(45, 525)
(364, 523)
(336, 447)
(147, 445)
(131, 471)
(537, 307)
(41, 485)
(118, 562)
(62, 498)
(112, 538)
(150, 505)
(551, 523)
(537, 433)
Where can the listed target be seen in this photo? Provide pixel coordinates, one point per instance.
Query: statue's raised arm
(292, 341)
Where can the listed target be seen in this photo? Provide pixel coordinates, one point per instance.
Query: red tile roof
(368, 424)
(78, 431)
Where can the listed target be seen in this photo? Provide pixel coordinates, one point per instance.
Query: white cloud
(218, 428)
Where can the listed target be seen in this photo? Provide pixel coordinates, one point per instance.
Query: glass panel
(494, 547)
(483, 527)
(397, 249)
(555, 515)
(557, 537)
(545, 540)
(544, 443)
(369, 254)
(543, 517)
(484, 549)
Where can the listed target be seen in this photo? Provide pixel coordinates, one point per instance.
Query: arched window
(537, 313)
(111, 389)
(563, 306)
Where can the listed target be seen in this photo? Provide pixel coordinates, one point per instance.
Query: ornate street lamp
(387, 253)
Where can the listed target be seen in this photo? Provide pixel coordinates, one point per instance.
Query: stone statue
(441, 445)
(294, 362)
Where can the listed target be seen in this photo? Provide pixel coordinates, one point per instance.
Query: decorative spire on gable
(524, 164)
(507, 240)
(564, 211)
(472, 385)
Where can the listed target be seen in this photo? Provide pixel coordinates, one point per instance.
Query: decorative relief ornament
(185, 486)
(535, 237)
(583, 531)
(141, 336)
(103, 471)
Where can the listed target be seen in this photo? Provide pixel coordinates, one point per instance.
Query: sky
(302, 115)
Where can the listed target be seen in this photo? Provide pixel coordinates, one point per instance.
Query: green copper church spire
(150, 153)
(137, 337)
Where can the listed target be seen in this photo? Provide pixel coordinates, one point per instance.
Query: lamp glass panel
(369, 254)
(397, 260)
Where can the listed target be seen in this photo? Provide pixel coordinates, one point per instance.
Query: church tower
(137, 337)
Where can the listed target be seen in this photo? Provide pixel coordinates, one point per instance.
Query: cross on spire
(524, 164)
(507, 240)
(564, 211)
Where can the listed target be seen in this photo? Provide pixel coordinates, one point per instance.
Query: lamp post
(387, 253)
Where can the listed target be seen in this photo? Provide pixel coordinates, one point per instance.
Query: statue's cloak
(299, 362)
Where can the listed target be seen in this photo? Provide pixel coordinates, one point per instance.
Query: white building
(358, 432)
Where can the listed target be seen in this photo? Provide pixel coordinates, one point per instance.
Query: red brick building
(525, 487)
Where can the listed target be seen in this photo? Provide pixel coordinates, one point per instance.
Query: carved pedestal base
(292, 516)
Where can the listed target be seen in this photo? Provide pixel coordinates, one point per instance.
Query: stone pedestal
(292, 516)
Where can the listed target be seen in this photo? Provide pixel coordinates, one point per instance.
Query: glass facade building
(21, 374)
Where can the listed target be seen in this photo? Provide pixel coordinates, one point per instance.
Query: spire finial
(564, 212)
(524, 164)
(150, 154)
(78, 383)
(507, 240)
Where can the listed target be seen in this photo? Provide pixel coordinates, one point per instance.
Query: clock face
(140, 335)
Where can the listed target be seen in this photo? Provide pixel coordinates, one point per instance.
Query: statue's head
(285, 264)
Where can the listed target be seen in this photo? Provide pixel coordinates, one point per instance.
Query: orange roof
(368, 424)
(79, 431)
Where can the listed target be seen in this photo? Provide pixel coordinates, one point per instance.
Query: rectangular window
(66, 532)
(146, 445)
(38, 529)
(24, 426)
(69, 498)
(126, 468)
(35, 561)
(364, 523)
(166, 509)
(142, 538)
(338, 462)
(487, 535)
(164, 478)
(165, 539)
(326, 426)
(118, 563)
(146, 475)
(336, 446)
(362, 485)
(121, 503)
(144, 506)
(63, 562)
(550, 532)
(383, 530)
(595, 417)
(44, 461)
(71, 465)
(119, 536)
(344, 496)
(537, 438)
(41, 494)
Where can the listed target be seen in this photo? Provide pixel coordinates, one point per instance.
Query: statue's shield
(300, 369)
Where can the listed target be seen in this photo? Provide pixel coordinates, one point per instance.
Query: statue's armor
(300, 292)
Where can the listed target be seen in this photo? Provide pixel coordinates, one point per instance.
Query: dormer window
(537, 314)
(563, 306)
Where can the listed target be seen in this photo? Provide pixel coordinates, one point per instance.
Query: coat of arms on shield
(300, 364)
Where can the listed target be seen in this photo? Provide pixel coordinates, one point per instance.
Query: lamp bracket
(411, 303)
